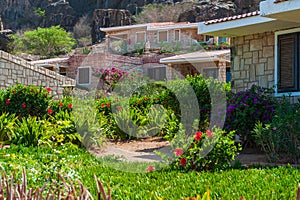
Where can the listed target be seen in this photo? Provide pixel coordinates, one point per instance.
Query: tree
(47, 42)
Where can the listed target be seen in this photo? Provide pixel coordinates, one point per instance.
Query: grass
(42, 165)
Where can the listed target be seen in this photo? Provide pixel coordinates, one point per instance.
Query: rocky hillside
(23, 14)
(29, 14)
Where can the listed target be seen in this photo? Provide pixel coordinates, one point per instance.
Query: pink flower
(70, 105)
(150, 169)
(50, 111)
(119, 108)
(198, 135)
(48, 89)
(23, 105)
(183, 162)
(209, 133)
(178, 151)
(60, 104)
(7, 101)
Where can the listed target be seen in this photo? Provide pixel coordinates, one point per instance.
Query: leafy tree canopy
(47, 42)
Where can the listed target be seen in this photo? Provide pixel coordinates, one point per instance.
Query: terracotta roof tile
(278, 1)
(235, 17)
(161, 24)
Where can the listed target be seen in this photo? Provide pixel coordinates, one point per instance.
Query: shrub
(217, 144)
(25, 100)
(280, 138)
(7, 124)
(246, 108)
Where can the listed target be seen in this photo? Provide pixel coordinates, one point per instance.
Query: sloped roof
(235, 17)
(199, 56)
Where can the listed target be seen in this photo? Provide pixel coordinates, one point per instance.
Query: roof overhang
(150, 27)
(196, 57)
(123, 28)
(244, 26)
(286, 10)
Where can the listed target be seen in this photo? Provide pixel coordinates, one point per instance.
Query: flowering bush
(217, 143)
(62, 105)
(25, 100)
(110, 76)
(246, 108)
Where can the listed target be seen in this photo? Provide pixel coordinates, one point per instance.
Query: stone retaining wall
(16, 70)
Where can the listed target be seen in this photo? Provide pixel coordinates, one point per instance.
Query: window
(287, 61)
(177, 35)
(211, 72)
(84, 76)
(140, 37)
(163, 36)
(157, 73)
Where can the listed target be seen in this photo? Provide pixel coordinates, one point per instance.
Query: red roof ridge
(278, 1)
(230, 18)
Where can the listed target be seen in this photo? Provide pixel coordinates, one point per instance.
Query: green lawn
(42, 164)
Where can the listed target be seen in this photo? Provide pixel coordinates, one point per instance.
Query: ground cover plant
(43, 164)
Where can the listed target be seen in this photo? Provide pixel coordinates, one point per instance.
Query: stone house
(265, 46)
(155, 36)
(214, 64)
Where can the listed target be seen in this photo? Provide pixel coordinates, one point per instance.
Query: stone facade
(252, 61)
(16, 70)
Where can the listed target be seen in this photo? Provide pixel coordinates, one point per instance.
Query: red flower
(150, 169)
(7, 101)
(178, 151)
(165, 102)
(183, 162)
(102, 105)
(119, 108)
(23, 105)
(70, 105)
(145, 99)
(209, 133)
(13, 91)
(198, 135)
(60, 104)
(50, 111)
(108, 105)
(48, 89)
(139, 101)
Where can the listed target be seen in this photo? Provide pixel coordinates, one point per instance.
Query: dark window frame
(295, 87)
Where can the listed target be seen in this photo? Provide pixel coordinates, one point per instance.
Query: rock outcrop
(108, 18)
(210, 9)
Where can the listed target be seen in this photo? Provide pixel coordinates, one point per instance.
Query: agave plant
(12, 190)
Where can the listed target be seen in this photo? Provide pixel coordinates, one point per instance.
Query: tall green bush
(280, 138)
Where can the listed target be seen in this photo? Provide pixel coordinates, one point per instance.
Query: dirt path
(140, 150)
(143, 151)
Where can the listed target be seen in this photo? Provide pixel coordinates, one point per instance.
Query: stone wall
(252, 61)
(16, 70)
